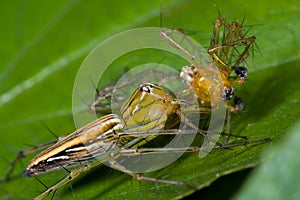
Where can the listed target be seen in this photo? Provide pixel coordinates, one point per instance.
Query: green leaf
(277, 177)
(44, 43)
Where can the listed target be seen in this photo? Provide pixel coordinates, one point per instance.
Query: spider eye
(241, 72)
(227, 93)
(238, 103)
